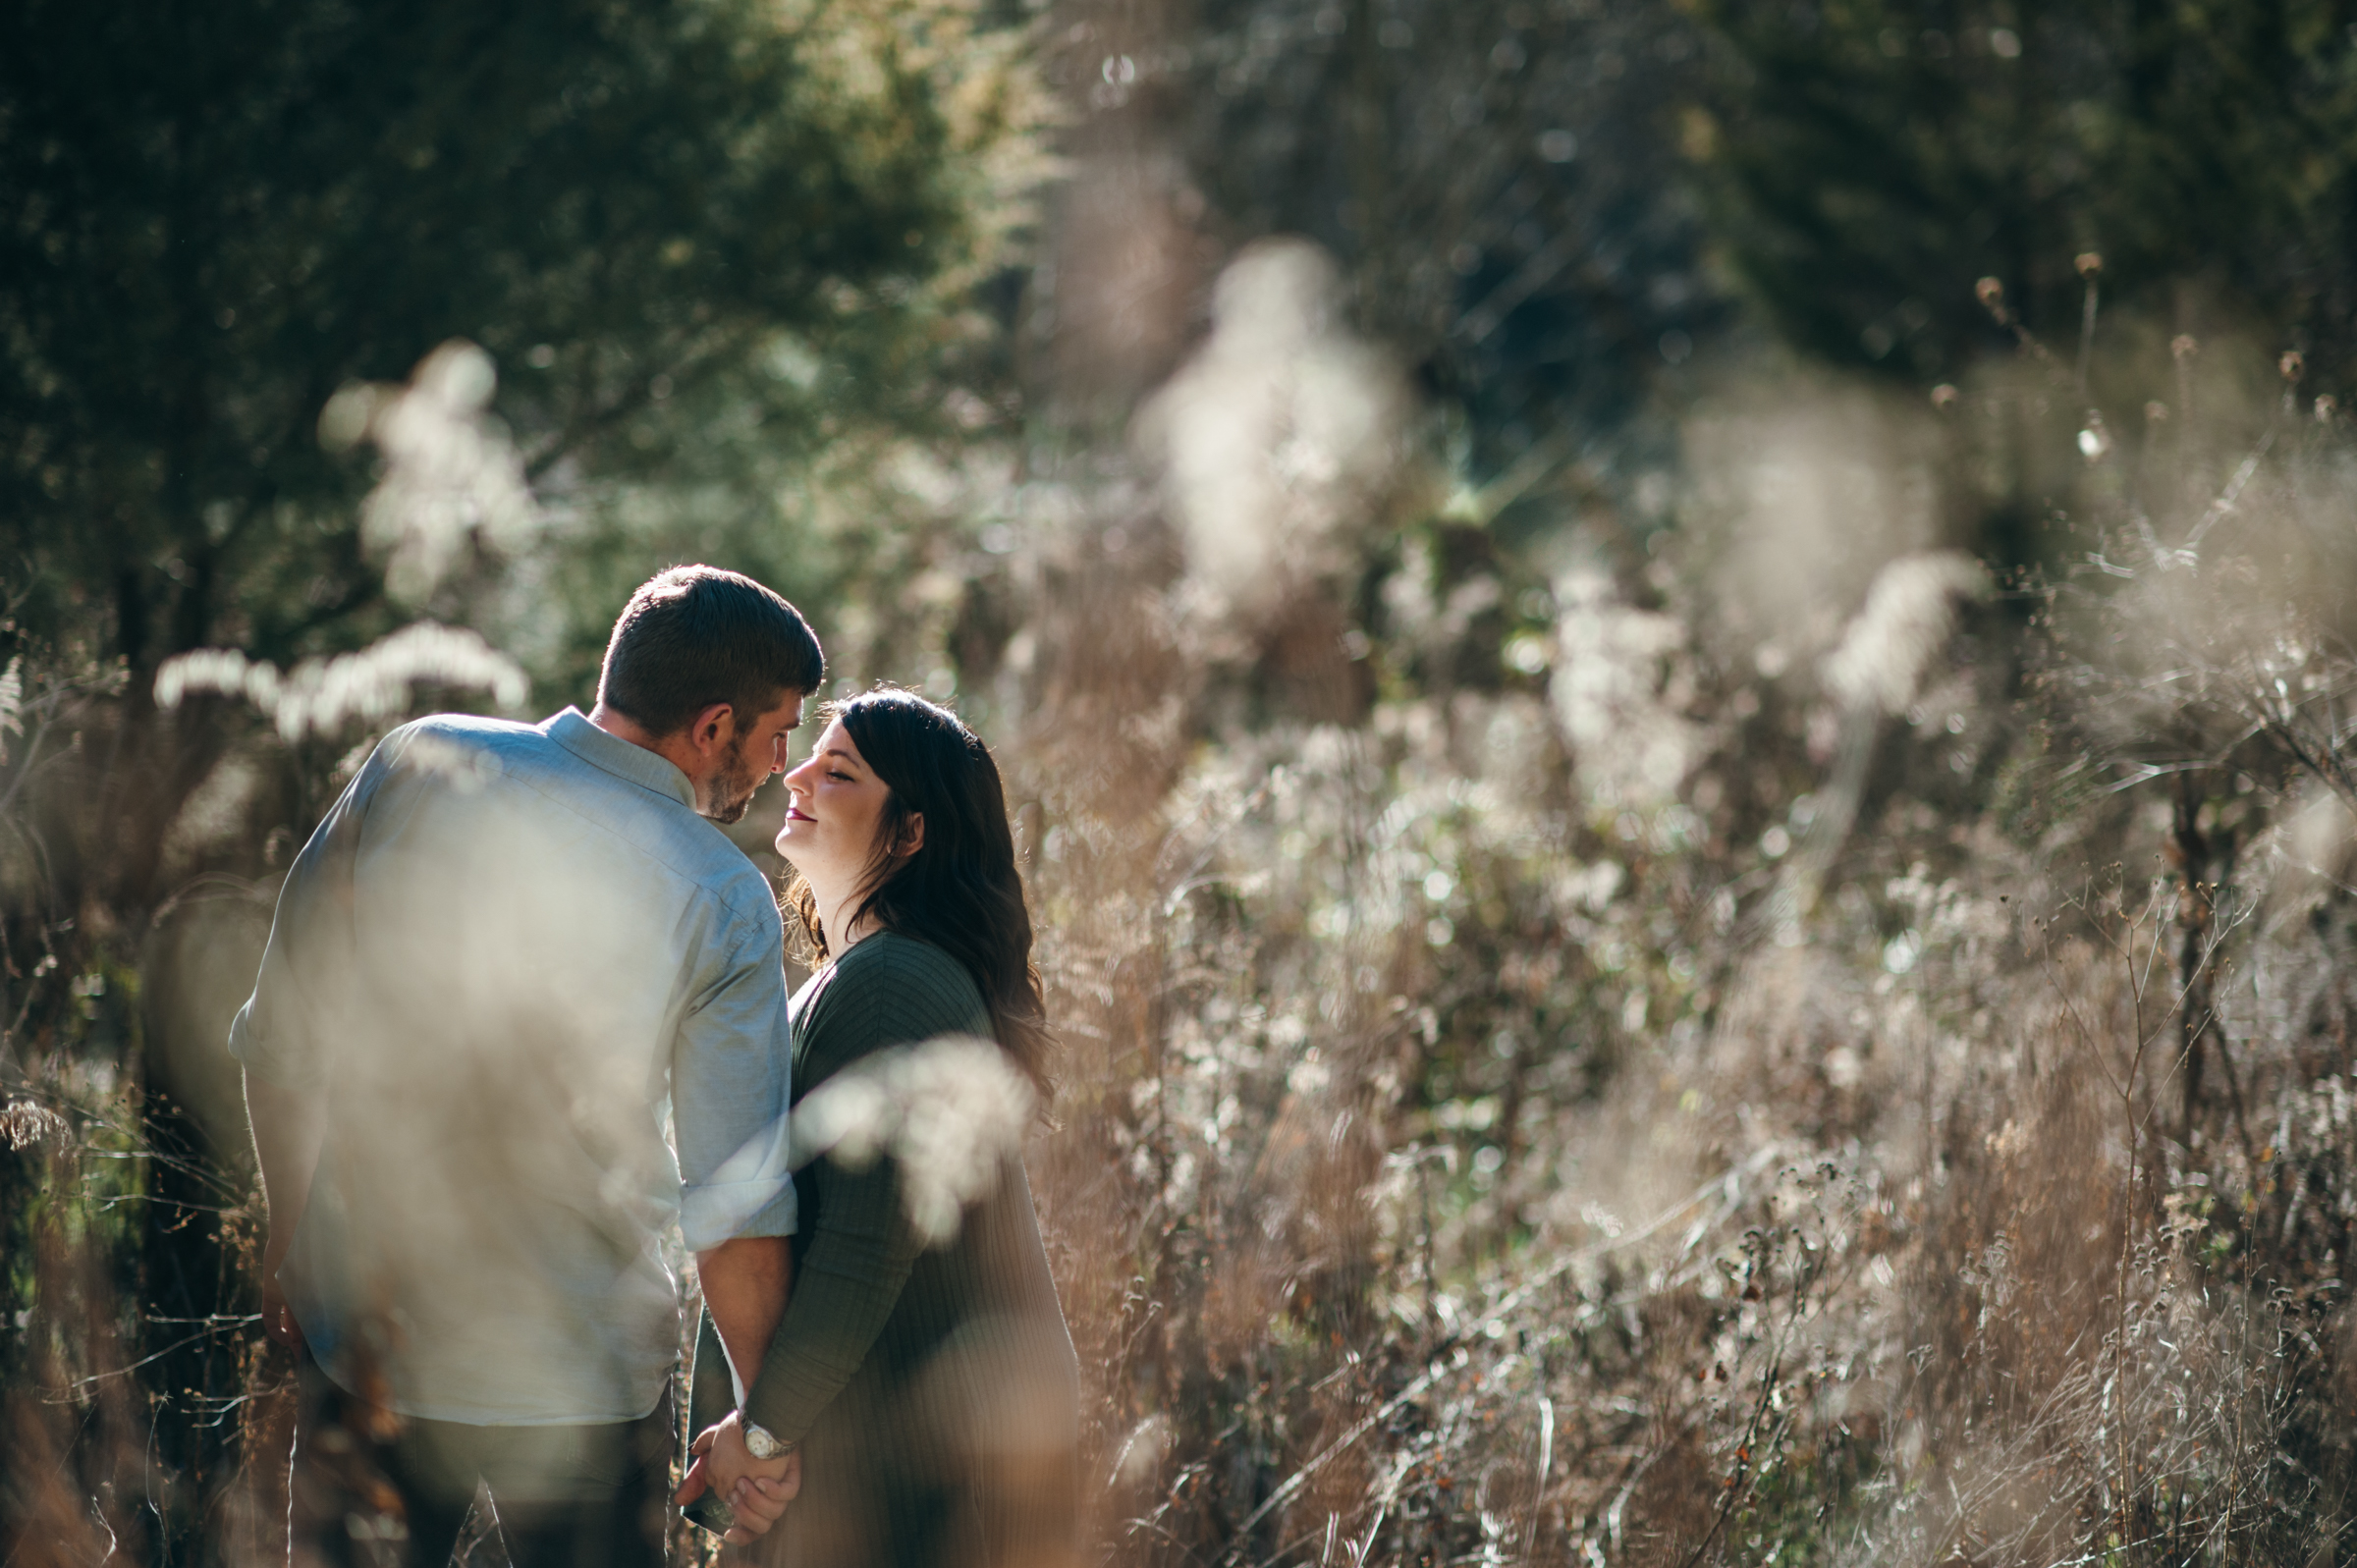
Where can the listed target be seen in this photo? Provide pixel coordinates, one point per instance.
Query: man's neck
(672, 749)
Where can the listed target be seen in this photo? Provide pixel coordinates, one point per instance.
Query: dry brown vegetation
(1910, 1125)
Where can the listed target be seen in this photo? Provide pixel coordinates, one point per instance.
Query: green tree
(702, 240)
(1871, 160)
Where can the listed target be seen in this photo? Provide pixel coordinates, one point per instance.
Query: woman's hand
(758, 1489)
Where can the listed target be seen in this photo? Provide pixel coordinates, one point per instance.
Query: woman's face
(834, 803)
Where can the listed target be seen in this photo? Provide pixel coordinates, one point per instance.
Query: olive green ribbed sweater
(935, 1391)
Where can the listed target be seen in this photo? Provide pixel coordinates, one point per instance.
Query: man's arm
(730, 1093)
(284, 1036)
(288, 1126)
(744, 1282)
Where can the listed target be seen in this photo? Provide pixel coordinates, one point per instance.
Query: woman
(933, 1391)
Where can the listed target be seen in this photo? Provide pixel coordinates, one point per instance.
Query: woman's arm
(851, 1276)
(862, 1244)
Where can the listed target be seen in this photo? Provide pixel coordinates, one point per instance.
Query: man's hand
(744, 1284)
(758, 1489)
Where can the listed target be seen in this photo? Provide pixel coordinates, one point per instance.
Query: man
(502, 953)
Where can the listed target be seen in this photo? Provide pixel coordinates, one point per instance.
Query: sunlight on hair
(321, 695)
(450, 472)
(951, 1111)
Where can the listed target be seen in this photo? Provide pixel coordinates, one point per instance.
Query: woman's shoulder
(892, 980)
(889, 953)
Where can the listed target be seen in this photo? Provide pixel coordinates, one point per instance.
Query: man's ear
(712, 728)
(912, 835)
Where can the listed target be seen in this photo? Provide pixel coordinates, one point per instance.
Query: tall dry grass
(1857, 1078)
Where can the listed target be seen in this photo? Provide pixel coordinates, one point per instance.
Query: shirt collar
(616, 756)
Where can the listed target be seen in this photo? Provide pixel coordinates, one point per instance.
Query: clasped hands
(758, 1489)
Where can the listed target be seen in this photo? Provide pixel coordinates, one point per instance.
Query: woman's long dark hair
(960, 890)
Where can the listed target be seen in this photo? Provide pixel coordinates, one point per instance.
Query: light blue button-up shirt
(502, 953)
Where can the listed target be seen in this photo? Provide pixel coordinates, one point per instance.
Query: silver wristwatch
(761, 1445)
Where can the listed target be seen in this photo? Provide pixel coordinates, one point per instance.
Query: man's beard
(731, 788)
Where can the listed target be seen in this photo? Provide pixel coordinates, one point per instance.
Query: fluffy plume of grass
(12, 703)
(24, 1122)
(1277, 438)
(949, 1113)
(1620, 690)
(1908, 617)
(451, 475)
(1719, 1094)
(322, 696)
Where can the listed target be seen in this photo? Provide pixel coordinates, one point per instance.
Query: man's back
(503, 951)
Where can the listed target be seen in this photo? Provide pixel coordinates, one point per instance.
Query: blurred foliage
(1498, 180)
(1501, 186)
(1870, 160)
(720, 257)
(701, 240)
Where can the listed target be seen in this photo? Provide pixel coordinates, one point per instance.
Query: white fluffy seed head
(950, 1112)
(1909, 615)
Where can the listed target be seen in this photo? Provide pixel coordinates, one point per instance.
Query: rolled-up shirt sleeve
(730, 1095)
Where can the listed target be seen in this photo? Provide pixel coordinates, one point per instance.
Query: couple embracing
(523, 1034)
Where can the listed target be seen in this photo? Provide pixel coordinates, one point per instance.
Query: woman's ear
(912, 835)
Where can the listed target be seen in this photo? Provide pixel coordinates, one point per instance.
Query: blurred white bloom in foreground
(11, 702)
(1910, 614)
(1277, 437)
(1803, 486)
(950, 1112)
(318, 695)
(1618, 690)
(450, 472)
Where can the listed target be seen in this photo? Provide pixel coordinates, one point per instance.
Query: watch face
(760, 1443)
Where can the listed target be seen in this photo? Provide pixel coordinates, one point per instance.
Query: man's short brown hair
(692, 636)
